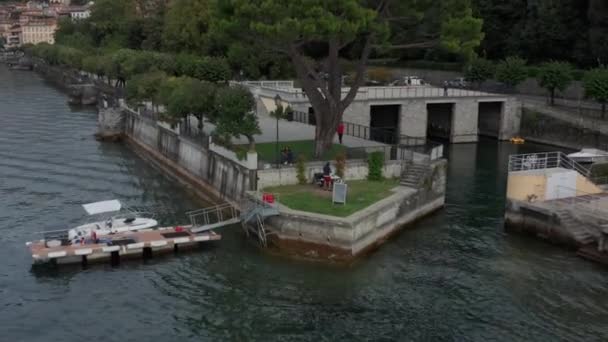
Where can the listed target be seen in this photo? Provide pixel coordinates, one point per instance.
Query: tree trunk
(324, 133)
(326, 97)
(251, 143)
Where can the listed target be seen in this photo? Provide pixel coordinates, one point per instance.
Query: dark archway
(439, 120)
(384, 123)
(489, 120)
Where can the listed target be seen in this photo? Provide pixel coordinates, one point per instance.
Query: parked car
(408, 81)
(460, 82)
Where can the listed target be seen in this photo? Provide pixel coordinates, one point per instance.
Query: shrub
(512, 71)
(596, 86)
(599, 172)
(340, 164)
(375, 163)
(301, 169)
(480, 70)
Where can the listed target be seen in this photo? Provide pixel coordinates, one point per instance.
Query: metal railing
(545, 160)
(383, 135)
(287, 90)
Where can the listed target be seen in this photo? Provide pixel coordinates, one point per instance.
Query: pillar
(464, 121)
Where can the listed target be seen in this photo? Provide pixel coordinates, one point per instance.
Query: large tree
(315, 33)
(555, 76)
(512, 71)
(596, 87)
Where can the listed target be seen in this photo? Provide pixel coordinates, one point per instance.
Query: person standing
(340, 131)
(445, 88)
(327, 176)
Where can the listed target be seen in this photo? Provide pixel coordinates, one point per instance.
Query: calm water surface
(455, 277)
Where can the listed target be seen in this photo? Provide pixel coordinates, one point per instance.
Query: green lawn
(267, 151)
(311, 198)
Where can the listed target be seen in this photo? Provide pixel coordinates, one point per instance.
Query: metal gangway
(213, 217)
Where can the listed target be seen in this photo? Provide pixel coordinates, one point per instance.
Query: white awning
(102, 207)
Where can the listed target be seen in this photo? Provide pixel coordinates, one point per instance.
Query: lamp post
(277, 102)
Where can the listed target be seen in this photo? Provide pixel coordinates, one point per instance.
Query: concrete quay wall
(213, 174)
(529, 219)
(343, 239)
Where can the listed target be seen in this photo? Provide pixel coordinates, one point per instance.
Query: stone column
(464, 121)
(510, 119)
(413, 119)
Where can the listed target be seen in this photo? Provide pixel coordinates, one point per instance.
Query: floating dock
(114, 247)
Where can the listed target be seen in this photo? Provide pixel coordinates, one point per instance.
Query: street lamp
(277, 102)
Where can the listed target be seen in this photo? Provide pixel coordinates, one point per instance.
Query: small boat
(115, 223)
(589, 156)
(517, 140)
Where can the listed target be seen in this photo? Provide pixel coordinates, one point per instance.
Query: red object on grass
(268, 198)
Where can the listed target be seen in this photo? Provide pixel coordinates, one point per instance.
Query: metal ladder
(253, 216)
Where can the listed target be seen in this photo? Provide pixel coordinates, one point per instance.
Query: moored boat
(589, 156)
(113, 222)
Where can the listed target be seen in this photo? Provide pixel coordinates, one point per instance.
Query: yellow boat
(517, 140)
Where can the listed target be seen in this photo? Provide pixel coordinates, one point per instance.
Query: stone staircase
(413, 174)
(580, 231)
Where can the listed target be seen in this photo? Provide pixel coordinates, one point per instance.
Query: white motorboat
(116, 222)
(589, 156)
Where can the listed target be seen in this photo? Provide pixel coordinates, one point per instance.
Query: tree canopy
(596, 86)
(480, 70)
(235, 114)
(313, 34)
(512, 71)
(555, 76)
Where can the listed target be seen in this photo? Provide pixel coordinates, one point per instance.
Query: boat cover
(102, 207)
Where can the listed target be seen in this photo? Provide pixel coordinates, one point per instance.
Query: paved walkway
(291, 131)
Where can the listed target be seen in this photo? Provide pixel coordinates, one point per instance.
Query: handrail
(545, 160)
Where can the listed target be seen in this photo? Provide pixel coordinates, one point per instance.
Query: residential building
(40, 30)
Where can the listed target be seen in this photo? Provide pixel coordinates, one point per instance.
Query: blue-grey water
(456, 276)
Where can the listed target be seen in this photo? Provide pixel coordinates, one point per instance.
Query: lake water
(456, 276)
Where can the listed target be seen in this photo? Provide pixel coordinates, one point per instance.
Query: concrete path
(290, 131)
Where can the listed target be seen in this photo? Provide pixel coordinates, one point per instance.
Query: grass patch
(361, 194)
(267, 151)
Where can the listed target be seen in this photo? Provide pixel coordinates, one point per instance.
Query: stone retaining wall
(221, 176)
(542, 128)
(355, 170)
(525, 218)
(342, 239)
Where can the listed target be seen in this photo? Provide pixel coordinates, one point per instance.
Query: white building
(39, 31)
(77, 13)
